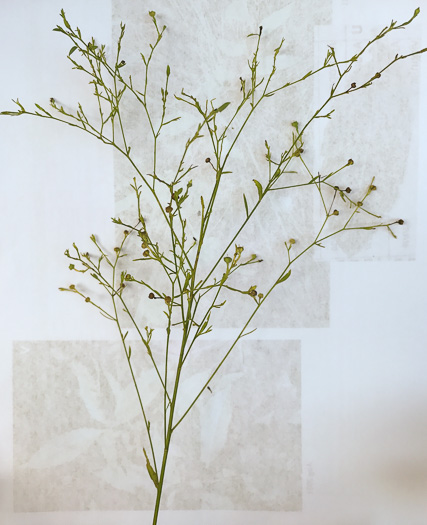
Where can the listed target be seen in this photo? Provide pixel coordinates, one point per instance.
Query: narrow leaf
(259, 188)
(284, 278)
(246, 205)
(72, 50)
(224, 106)
(151, 471)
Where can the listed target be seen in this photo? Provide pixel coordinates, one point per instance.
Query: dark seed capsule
(350, 162)
(207, 160)
(372, 187)
(348, 190)
(168, 209)
(400, 221)
(353, 85)
(151, 295)
(335, 212)
(87, 299)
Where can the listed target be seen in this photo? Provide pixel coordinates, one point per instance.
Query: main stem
(170, 426)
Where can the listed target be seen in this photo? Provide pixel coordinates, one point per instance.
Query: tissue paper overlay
(78, 435)
(207, 55)
(376, 127)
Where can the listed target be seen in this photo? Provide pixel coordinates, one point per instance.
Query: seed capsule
(87, 299)
(335, 212)
(151, 295)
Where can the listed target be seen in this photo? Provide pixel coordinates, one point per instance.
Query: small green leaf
(151, 471)
(416, 12)
(172, 120)
(246, 205)
(66, 23)
(259, 188)
(224, 106)
(130, 351)
(286, 276)
(72, 50)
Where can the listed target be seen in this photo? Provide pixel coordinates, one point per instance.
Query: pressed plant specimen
(163, 253)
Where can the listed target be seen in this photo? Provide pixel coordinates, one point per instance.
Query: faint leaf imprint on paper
(78, 435)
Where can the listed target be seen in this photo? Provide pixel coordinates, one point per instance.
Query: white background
(364, 392)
